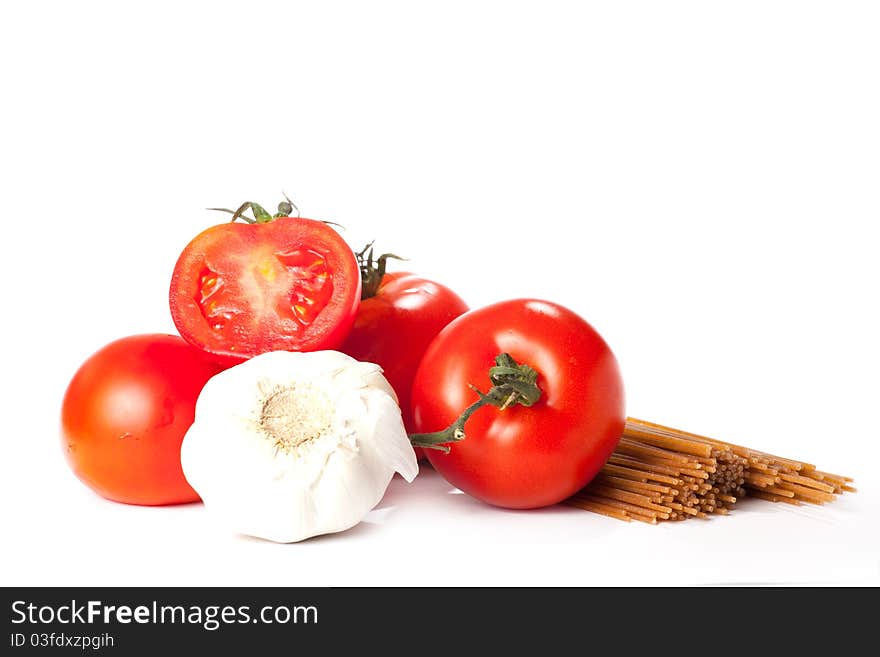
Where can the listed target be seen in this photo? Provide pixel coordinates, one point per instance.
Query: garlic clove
(395, 453)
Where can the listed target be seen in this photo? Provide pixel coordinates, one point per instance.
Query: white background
(699, 180)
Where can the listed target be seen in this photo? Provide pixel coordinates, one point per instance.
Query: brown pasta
(658, 473)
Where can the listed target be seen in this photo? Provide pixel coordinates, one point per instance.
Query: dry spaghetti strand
(658, 473)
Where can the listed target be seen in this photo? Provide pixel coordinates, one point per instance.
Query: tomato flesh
(242, 289)
(522, 457)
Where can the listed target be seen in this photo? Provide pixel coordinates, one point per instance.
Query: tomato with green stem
(399, 315)
(276, 282)
(125, 413)
(549, 421)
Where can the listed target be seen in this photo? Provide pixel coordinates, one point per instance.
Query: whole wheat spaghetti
(658, 473)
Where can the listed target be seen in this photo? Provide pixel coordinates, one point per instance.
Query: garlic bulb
(290, 445)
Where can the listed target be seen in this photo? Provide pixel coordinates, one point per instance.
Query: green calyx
(512, 383)
(260, 214)
(372, 272)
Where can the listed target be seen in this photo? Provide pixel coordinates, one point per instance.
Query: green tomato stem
(512, 383)
(372, 274)
(261, 215)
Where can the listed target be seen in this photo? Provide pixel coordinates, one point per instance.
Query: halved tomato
(287, 283)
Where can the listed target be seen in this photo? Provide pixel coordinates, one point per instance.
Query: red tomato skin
(394, 328)
(124, 416)
(522, 458)
(245, 257)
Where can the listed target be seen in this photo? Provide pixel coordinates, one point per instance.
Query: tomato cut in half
(288, 284)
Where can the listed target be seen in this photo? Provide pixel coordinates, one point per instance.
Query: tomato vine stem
(372, 274)
(261, 215)
(512, 383)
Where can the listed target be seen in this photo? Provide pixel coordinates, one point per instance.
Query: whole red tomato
(522, 457)
(395, 326)
(124, 416)
(276, 283)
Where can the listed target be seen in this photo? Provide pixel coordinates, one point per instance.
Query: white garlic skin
(290, 445)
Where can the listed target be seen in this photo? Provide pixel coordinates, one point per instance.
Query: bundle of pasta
(659, 473)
